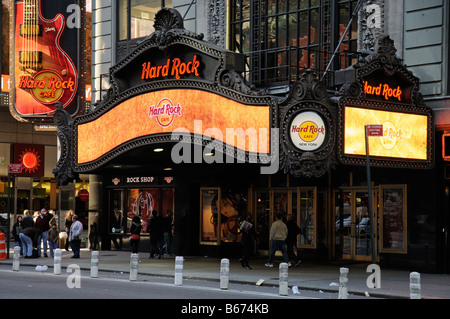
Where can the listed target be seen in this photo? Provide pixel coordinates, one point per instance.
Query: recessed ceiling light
(158, 150)
(168, 168)
(117, 166)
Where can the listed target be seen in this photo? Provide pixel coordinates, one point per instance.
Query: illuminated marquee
(164, 112)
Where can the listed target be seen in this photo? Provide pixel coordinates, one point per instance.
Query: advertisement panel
(45, 57)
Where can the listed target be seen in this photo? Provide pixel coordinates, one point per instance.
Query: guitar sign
(44, 72)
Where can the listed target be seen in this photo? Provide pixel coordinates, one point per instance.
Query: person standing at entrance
(278, 234)
(75, 236)
(156, 234)
(291, 239)
(135, 237)
(248, 234)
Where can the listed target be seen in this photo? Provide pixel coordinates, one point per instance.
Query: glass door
(353, 226)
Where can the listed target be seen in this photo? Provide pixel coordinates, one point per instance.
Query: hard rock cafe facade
(180, 132)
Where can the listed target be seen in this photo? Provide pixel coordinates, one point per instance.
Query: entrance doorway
(301, 202)
(353, 227)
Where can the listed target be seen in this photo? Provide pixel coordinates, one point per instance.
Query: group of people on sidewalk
(160, 229)
(30, 232)
(283, 236)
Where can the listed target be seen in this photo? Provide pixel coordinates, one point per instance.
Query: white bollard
(134, 263)
(179, 270)
(283, 285)
(16, 261)
(224, 273)
(343, 284)
(57, 262)
(94, 264)
(414, 286)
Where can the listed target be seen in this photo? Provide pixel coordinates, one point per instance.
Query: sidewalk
(308, 275)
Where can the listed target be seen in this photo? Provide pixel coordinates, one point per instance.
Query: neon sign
(383, 90)
(173, 67)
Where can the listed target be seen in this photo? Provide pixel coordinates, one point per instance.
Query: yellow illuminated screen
(404, 135)
(246, 127)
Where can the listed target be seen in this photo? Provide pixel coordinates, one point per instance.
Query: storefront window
(209, 216)
(393, 219)
(307, 218)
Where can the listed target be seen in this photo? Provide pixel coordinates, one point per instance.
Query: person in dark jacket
(135, 237)
(248, 234)
(291, 239)
(156, 234)
(17, 229)
(27, 220)
(43, 225)
(29, 237)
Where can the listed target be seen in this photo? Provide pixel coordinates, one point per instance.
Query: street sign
(15, 168)
(374, 130)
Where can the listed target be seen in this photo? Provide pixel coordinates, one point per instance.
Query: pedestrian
(278, 234)
(93, 236)
(167, 227)
(75, 236)
(52, 237)
(17, 229)
(291, 239)
(27, 220)
(117, 229)
(248, 234)
(67, 225)
(156, 235)
(29, 238)
(135, 231)
(43, 225)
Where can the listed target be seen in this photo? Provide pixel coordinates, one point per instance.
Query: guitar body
(43, 72)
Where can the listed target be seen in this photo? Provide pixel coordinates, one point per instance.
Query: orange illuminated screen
(404, 135)
(192, 111)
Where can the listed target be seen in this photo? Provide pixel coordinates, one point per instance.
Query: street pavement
(308, 275)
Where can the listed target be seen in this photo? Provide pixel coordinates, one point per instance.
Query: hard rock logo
(164, 112)
(46, 86)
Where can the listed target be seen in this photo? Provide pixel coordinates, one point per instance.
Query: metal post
(57, 262)
(94, 264)
(369, 187)
(179, 270)
(283, 285)
(414, 286)
(8, 235)
(16, 261)
(224, 273)
(343, 284)
(134, 262)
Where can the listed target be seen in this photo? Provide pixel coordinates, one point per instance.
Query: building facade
(280, 40)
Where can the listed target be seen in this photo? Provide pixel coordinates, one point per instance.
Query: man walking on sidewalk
(278, 234)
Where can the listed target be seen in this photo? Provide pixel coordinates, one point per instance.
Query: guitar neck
(30, 26)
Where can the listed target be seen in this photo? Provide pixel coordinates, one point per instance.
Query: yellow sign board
(404, 135)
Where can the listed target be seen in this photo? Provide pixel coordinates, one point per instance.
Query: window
(393, 226)
(136, 17)
(283, 38)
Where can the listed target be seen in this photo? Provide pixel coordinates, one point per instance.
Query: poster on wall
(45, 54)
(209, 217)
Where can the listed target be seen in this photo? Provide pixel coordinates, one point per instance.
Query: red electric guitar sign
(43, 72)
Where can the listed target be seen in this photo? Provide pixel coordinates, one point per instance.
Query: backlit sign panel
(405, 135)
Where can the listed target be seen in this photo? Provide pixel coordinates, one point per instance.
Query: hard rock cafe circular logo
(307, 131)
(390, 135)
(48, 87)
(164, 112)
